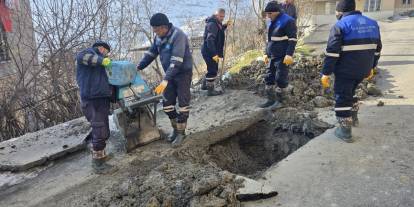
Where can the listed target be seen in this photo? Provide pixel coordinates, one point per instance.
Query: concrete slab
(34, 149)
(213, 119)
(254, 190)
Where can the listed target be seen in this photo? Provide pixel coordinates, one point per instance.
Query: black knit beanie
(346, 6)
(159, 19)
(272, 6)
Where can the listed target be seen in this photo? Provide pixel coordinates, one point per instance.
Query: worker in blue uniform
(353, 50)
(173, 47)
(95, 94)
(281, 43)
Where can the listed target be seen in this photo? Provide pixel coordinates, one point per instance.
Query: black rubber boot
(280, 100)
(171, 137)
(99, 164)
(204, 84)
(277, 105)
(180, 134)
(271, 97)
(344, 130)
(211, 91)
(354, 111)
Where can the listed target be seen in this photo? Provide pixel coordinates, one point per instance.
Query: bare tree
(258, 8)
(43, 92)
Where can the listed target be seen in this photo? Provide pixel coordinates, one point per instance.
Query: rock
(153, 202)
(205, 185)
(227, 176)
(373, 90)
(310, 92)
(168, 202)
(361, 94)
(227, 191)
(400, 96)
(207, 201)
(314, 127)
(179, 186)
(217, 191)
(380, 103)
(308, 106)
(124, 188)
(321, 102)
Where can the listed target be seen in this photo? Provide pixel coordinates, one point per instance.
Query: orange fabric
(5, 17)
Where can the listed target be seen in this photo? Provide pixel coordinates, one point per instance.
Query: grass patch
(245, 60)
(303, 49)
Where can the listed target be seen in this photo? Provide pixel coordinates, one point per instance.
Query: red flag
(5, 17)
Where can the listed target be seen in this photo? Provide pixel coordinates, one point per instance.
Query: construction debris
(305, 90)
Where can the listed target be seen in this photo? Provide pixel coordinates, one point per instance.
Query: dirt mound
(304, 90)
(171, 183)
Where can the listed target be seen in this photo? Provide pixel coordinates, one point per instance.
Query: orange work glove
(216, 58)
(288, 60)
(326, 81)
(370, 75)
(160, 88)
(266, 59)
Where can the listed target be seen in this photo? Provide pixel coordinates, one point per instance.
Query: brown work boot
(99, 165)
(180, 134)
(171, 137)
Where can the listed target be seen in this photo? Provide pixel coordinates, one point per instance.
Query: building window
(406, 2)
(4, 47)
(372, 5)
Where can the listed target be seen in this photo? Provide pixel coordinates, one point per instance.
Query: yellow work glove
(106, 62)
(325, 81)
(229, 22)
(266, 59)
(216, 58)
(288, 60)
(375, 70)
(160, 88)
(370, 75)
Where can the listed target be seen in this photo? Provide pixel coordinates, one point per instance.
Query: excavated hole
(254, 150)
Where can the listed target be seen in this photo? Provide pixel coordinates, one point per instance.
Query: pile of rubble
(172, 183)
(305, 90)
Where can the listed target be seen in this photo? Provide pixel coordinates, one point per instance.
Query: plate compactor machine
(136, 116)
